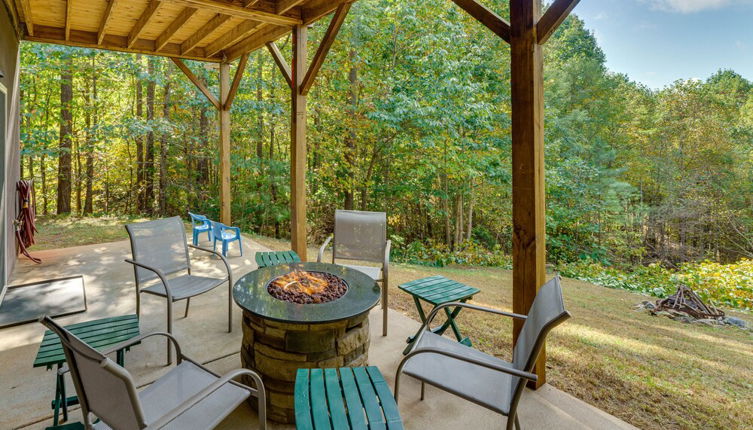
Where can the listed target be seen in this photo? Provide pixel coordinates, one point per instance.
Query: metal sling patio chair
(482, 378)
(160, 250)
(188, 396)
(361, 235)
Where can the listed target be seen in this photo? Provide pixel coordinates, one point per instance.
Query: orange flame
(301, 281)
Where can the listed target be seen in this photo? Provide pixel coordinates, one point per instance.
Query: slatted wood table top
(273, 258)
(99, 334)
(438, 289)
(347, 398)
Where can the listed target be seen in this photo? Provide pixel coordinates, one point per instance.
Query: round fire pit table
(280, 337)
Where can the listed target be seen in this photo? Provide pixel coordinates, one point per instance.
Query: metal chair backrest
(547, 312)
(198, 220)
(160, 244)
(103, 388)
(360, 235)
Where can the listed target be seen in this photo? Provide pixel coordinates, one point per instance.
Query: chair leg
(188, 303)
(224, 248)
(423, 390)
(517, 423)
(195, 238)
(229, 306)
(240, 245)
(169, 330)
(385, 307)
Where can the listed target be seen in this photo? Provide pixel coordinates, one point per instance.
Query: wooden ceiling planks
(205, 30)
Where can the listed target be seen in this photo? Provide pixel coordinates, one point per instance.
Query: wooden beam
(232, 37)
(256, 40)
(298, 145)
(200, 85)
(239, 11)
(324, 47)
(190, 44)
(529, 224)
(105, 21)
(143, 20)
(281, 63)
(249, 3)
(26, 11)
(285, 5)
(228, 103)
(553, 17)
(68, 8)
(312, 11)
(225, 196)
(174, 27)
(485, 16)
(111, 42)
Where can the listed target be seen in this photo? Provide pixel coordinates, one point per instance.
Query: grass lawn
(649, 371)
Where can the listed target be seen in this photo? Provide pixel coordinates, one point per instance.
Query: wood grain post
(529, 230)
(298, 144)
(225, 198)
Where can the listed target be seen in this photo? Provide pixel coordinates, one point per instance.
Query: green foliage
(729, 285)
(468, 253)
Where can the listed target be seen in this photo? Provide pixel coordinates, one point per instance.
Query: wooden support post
(225, 198)
(528, 240)
(298, 144)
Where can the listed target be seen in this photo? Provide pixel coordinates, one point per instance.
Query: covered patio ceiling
(205, 30)
(224, 30)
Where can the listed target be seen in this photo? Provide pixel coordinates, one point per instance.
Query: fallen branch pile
(687, 301)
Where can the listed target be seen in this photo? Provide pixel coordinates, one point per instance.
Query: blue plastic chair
(226, 234)
(201, 224)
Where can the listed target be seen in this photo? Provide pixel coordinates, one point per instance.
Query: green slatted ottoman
(437, 290)
(100, 334)
(266, 259)
(356, 398)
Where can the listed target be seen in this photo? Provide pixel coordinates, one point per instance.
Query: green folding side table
(273, 258)
(100, 334)
(437, 290)
(355, 398)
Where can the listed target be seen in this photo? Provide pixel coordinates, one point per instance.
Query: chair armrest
(158, 272)
(139, 338)
(320, 256)
(222, 257)
(386, 262)
(429, 350)
(216, 385)
(237, 230)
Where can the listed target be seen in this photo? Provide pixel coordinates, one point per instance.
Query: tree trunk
(140, 197)
(66, 132)
(43, 171)
(163, 148)
(260, 112)
(149, 156)
(469, 231)
(350, 137)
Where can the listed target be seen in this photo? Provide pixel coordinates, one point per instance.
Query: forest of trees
(410, 115)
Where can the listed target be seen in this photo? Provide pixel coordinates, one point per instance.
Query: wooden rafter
(281, 63)
(249, 3)
(174, 27)
(239, 11)
(485, 16)
(144, 19)
(552, 18)
(200, 85)
(68, 8)
(105, 21)
(26, 11)
(232, 37)
(111, 42)
(310, 13)
(190, 44)
(256, 40)
(228, 103)
(285, 5)
(324, 47)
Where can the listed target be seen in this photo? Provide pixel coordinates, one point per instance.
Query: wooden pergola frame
(222, 31)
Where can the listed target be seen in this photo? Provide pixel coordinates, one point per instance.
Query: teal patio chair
(201, 224)
(225, 234)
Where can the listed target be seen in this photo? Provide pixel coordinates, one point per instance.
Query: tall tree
(66, 136)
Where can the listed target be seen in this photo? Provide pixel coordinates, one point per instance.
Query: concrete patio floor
(26, 392)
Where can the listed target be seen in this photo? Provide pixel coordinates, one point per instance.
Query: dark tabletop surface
(250, 293)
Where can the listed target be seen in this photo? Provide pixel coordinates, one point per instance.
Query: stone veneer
(276, 350)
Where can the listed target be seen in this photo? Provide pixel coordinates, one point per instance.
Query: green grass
(652, 372)
(66, 231)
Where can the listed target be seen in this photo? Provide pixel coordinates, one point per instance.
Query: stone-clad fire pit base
(276, 350)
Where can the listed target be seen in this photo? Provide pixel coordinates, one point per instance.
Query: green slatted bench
(100, 334)
(355, 398)
(437, 290)
(273, 258)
